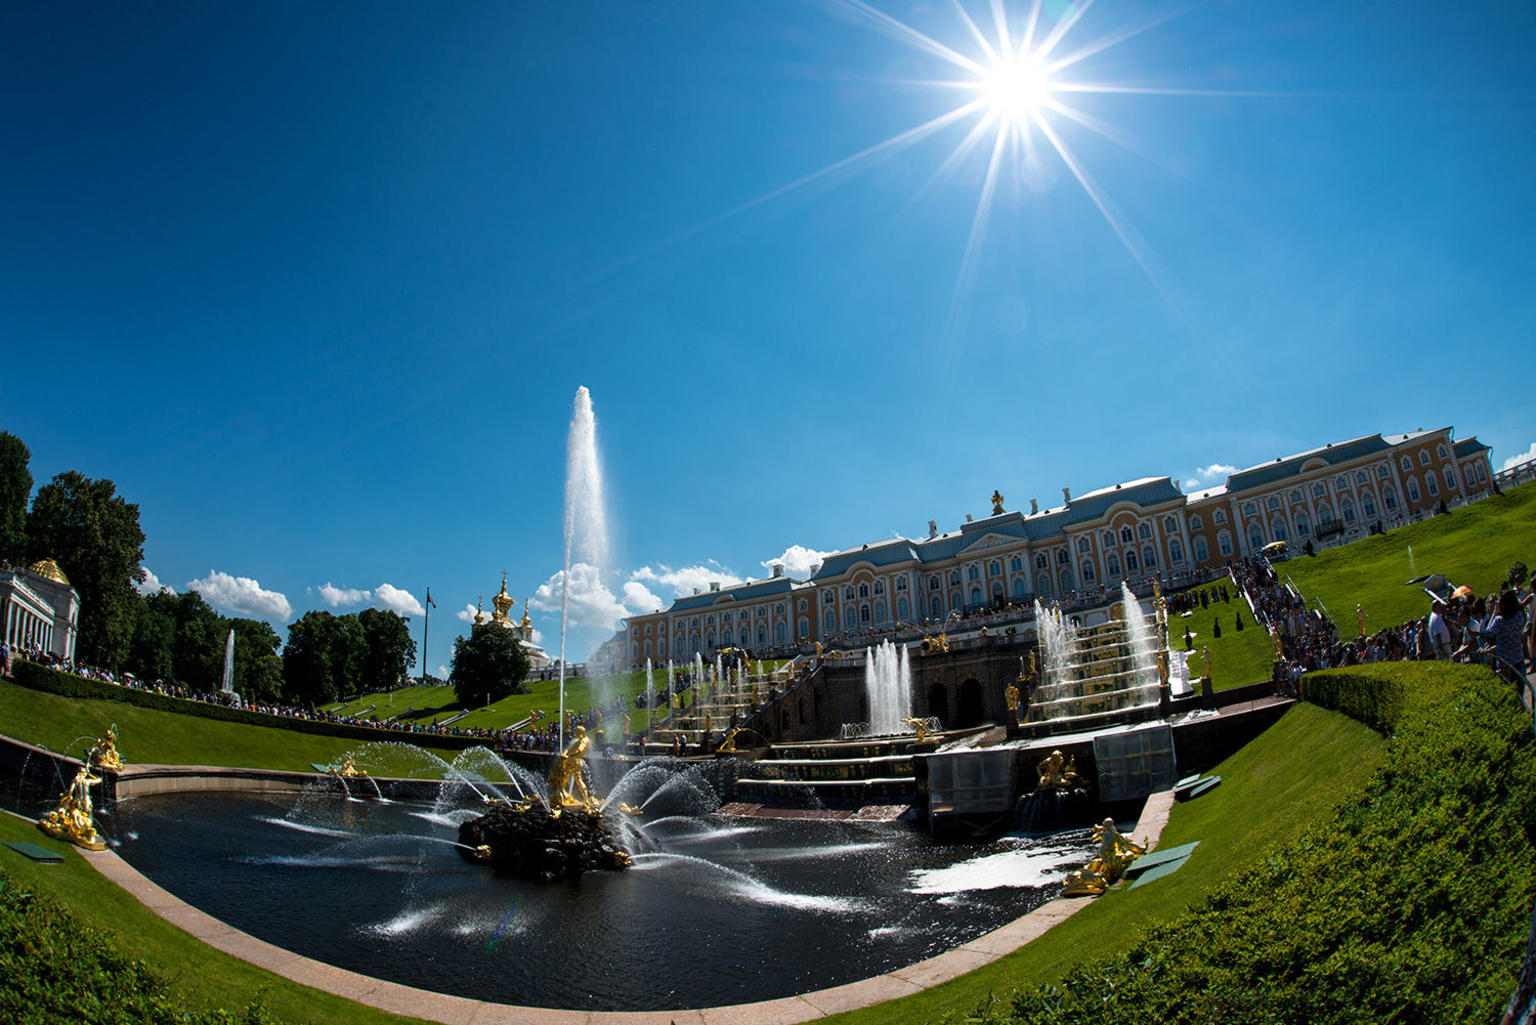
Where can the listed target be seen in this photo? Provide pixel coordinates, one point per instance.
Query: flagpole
(426, 617)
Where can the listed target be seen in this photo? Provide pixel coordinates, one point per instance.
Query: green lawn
(1238, 657)
(1473, 546)
(200, 976)
(150, 736)
(1291, 777)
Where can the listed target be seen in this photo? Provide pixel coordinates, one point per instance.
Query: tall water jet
(650, 695)
(1143, 647)
(1057, 638)
(228, 686)
(888, 684)
(586, 527)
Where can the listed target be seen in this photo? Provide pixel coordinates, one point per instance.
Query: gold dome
(503, 602)
(49, 570)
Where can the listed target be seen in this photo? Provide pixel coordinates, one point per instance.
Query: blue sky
(316, 284)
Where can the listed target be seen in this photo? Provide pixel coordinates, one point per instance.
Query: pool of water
(716, 911)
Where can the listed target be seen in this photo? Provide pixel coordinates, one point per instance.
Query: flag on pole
(430, 602)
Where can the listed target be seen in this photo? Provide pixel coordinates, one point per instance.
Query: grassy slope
(1287, 779)
(1238, 657)
(149, 736)
(199, 975)
(1475, 546)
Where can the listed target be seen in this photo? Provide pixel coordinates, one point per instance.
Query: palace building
(502, 605)
(39, 609)
(1076, 553)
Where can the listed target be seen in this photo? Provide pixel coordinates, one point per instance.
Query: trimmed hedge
(1412, 904)
(53, 681)
(55, 968)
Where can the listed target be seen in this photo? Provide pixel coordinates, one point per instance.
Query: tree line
(93, 533)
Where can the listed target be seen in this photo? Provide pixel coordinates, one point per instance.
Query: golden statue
(1116, 852)
(349, 769)
(1034, 669)
(1011, 696)
(997, 503)
(72, 820)
(1361, 617)
(728, 742)
(1205, 660)
(939, 644)
(1162, 667)
(1058, 773)
(626, 724)
(103, 754)
(706, 722)
(567, 789)
(919, 726)
(818, 650)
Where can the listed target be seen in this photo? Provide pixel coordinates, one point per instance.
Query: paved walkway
(451, 1010)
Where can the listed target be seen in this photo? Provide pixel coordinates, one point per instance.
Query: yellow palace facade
(1076, 553)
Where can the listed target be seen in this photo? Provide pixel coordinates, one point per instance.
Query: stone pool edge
(410, 1001)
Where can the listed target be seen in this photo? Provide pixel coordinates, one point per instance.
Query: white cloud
(685, 580)
(467, 613)
(442, 672)
(1520, 457)
(638, 597)
(242, 595)
(590, 602)
(1212, 474)
(335, 596)
(798, 561)
(385, 596)
(397, 600)
(537, 637)
(151, 584)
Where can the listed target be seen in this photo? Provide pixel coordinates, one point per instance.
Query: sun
(1015, 88)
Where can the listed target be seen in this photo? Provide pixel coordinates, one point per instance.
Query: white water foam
(1031, 867)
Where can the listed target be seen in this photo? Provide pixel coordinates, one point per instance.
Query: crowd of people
(1495, 629)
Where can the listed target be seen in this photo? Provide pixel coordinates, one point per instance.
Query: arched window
(954, 600)
(1482, 474)
(1144, 531)
(1125, 534)
(850, 617)
(975, 596)
(1347, 508)
(863, 590)
(1108, 539)
(903, 610)
(1431, 484)
(1132, 564)
(1407, 463)
(725, 637)
(1195, 522)
(762, 636)
(1087, 569)
(1084, 545)
(1224, 543)
(1450, 478)
(935, 607)
(901, 584)
(1413, 489)
(1040, 560)
(709, 640)
(1255, 536)
(1111, 563)
(1202, 552)
(879, 610)
(1019, 590)
(1423, 457)
(1303, 528)
(933, 582)
(1043, 583)
(829, 596)
(1148, 557)
(1277, 528)
(1175, 550)
(1169, 526)
(1016, 564)
(778, 633)
(973, 572)
(805, 627)
(1218, 516)
(1441, 451)
(994, 568)
(848, 593)
(1368, 503)
(1325, 514)
(879, 586)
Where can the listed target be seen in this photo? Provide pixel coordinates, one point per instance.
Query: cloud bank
(242, 595)
(798, 561)
(151, 584)
(1520, 457)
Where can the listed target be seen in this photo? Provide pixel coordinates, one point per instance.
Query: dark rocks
(526, 841)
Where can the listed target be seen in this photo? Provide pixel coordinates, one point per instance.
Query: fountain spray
(585, 528)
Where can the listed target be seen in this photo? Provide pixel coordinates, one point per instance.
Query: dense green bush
(1412, 905)
(55, 968)
(68, 685)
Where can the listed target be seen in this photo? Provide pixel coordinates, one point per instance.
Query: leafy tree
(488, 665)
(154, 635)
(95, 536)
(15, 491)
(391, 650)
(323, 657)
(258, 669)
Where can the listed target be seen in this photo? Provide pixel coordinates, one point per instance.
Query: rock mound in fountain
(528, 841)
